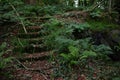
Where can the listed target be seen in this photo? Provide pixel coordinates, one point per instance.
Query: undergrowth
(76, 54)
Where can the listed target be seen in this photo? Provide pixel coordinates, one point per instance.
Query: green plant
(88, 49)
(12, 11)
(3, 60)
(52, 30)
(96, 14)
(19, 44)
(6, 12)
(80, 26)
(72, 57)
(52, 24)
(85, 50)
(60, 34)
(86, 54)
(50, 10)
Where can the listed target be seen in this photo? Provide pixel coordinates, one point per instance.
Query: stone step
(29, 29)
(29, 35)
(34, 40)
(33, 28)
(31, 48)
(35, 56)
(43, 65)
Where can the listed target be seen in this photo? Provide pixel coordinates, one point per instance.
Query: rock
(113, 39)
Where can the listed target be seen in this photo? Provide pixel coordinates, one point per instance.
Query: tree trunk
(110, 6)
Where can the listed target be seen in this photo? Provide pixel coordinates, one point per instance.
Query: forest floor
(37, 66)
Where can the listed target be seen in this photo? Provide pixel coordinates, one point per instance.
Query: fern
(72, 57)
(103, 49)
(87, 54)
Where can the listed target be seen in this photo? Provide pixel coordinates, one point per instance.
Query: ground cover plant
(60, 40)
(79, 52)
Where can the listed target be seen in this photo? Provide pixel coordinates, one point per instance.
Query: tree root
(32, 69)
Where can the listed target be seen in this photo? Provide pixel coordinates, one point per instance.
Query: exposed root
(32, 69)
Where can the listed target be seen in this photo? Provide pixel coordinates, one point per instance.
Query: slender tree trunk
(76, 3)
(110, 6)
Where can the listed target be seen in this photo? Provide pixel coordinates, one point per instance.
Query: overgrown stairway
(34, 59)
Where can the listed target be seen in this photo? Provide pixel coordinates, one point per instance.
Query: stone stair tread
(36, 55)
(31, 48)
(31, 45)
(32, 39)
(29, 28)
(30, 33)
(34, 27)
(44, 65)
(36, 45)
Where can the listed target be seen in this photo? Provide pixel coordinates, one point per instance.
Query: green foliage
(7, 14)
(53, 23)
(72, 57)
(60, 35)
(18, 44)
(73, 52)
(88, 50)
(79, 54)
(96, 14)
(50, 10)
(86, 54)
(62, 43)
(103, 49)
(51, 28)
(4, 61)
(80, 27)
